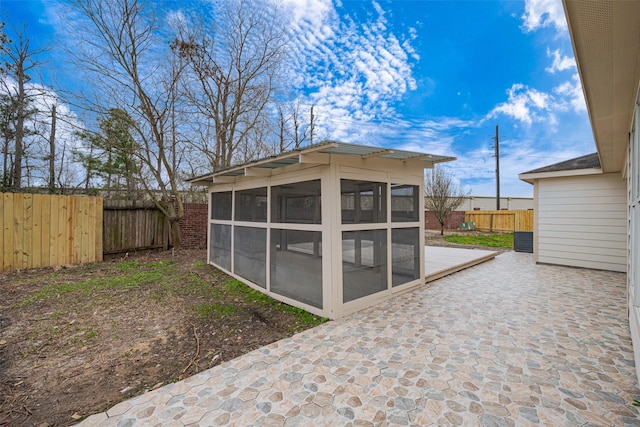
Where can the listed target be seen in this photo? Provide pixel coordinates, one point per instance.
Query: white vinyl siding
(582, 221)
(633, 176)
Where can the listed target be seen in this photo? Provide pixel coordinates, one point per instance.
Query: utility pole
(497, 155)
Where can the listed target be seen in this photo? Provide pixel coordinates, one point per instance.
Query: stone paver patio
(505, 343)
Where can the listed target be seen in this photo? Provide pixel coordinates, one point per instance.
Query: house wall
(581, 221)
(633, 197)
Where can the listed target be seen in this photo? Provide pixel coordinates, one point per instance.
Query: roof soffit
(606, 42)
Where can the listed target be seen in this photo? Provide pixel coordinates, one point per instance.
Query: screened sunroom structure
(331, 228)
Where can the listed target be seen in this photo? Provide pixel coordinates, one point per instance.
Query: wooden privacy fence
(41, 230)
(504, 221)
(131, 226)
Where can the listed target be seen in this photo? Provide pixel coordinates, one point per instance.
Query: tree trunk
(130, 187)
(20, 113)
(6, 165)
(173, 211)
(442, 229)
(52, 152)
(176, 238)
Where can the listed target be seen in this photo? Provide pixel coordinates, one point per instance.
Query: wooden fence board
(17, 216)
(76, 230)
(53, 231)
(2, 232)
(131, 226)
(84, 249)
(45, 236)
(98, 235)
(8, 260)
(61, 242)
(67, 244)
(38, 230)
(89, 233)
(27, 235)
(501, 221)
(36, 233)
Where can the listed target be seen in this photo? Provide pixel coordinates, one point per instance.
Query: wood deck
(441, 261)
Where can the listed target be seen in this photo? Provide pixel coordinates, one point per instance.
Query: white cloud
(529, 105)
(560, 62)
(351, 70)
(307, 14)
(524, 104)
(176, 19)
(544, 13)
(572, 96)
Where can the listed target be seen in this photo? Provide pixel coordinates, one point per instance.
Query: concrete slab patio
(442, 261)
(506, 343)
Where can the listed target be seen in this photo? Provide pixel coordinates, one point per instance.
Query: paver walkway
(505, 343)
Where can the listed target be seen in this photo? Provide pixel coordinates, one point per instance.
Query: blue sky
(429, 76)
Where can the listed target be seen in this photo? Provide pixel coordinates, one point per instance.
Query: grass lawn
(491, 240)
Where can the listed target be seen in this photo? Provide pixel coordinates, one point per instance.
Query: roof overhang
(530, 177)
(315, 154)
(606, 41)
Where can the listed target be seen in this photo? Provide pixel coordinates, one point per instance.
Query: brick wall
(454, 221)
(193, 226)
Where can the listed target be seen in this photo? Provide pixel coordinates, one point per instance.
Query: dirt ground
(77, 340)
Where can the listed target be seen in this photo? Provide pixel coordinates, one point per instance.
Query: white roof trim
(319, 152)
(529, 177)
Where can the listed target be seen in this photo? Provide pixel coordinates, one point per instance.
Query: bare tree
(119, 46)
(293, 129)
(18, 61)
(442, 195)
(299, 130)
(7, 113)
(234, 63)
